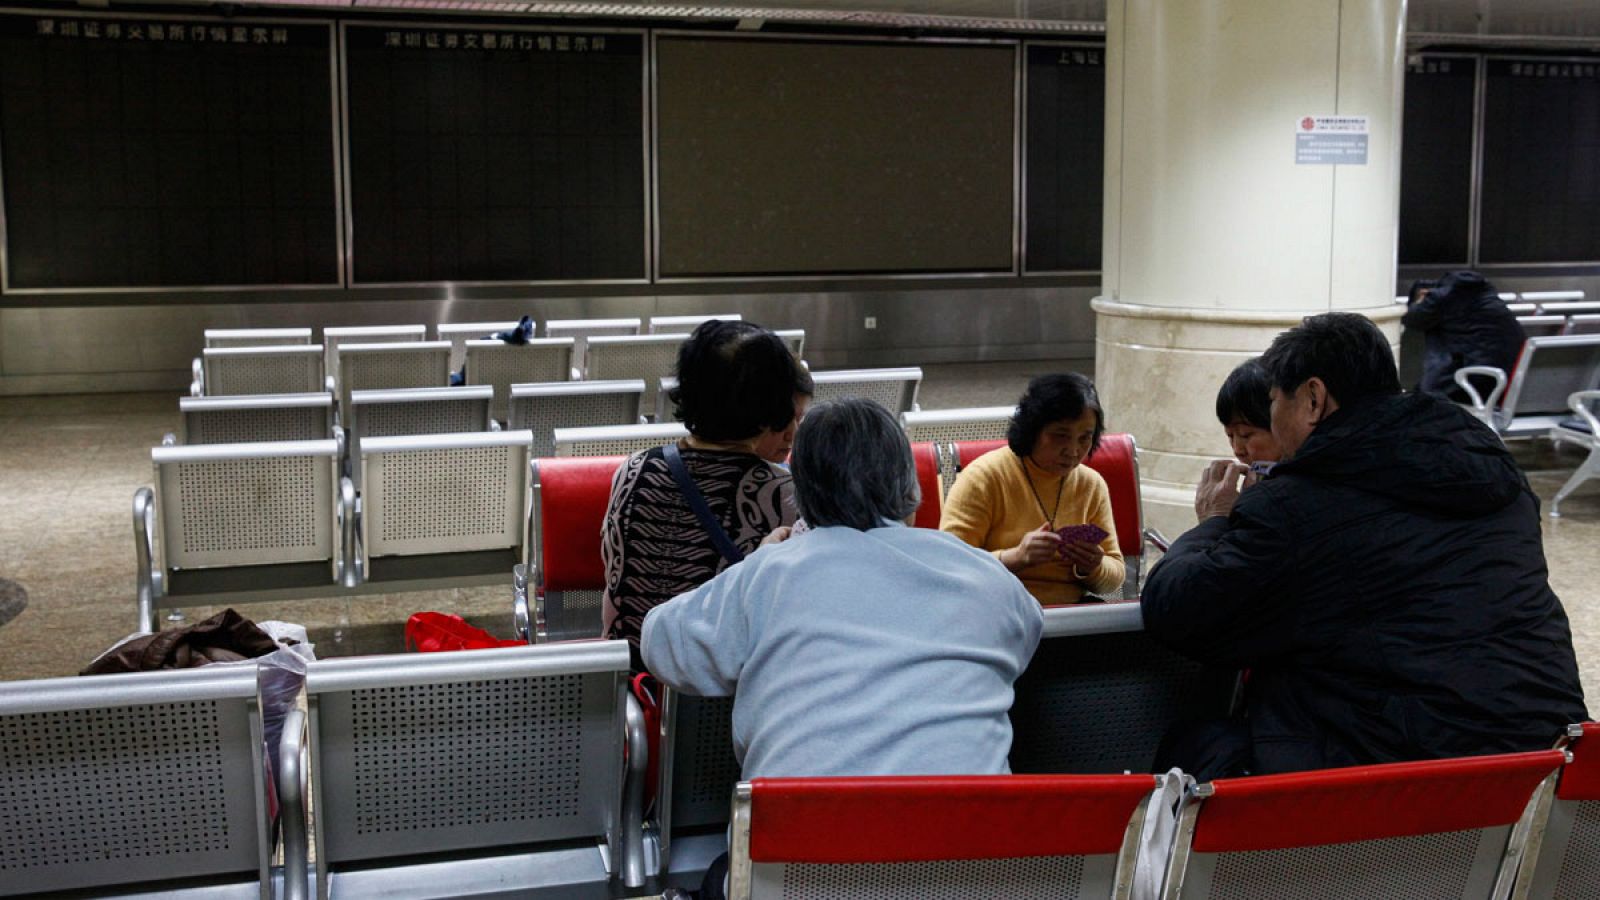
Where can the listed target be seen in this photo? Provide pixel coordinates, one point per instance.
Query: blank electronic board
(1065, 183)
(1436, 161)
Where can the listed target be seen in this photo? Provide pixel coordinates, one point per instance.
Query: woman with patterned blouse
(740, 393)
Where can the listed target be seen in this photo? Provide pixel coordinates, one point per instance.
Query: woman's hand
(1038, 546)
(777, 535)
(1083, 556)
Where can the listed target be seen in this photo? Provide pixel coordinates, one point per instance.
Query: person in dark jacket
(1385, 585)
(1464, 323)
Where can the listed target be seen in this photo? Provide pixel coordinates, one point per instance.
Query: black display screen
(1065, 183)
(1436, 161)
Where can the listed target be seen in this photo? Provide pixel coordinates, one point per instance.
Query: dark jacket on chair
(1464, 323)
(1387, 588)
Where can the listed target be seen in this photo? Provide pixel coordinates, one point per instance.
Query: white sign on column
(1330, 141)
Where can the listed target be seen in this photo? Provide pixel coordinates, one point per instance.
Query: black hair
(1345, 350)
(734, 379)
(1052, 398)
(852, 466)
(1414, 293)
(1245, 396)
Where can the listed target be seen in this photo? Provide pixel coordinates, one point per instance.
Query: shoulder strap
(719, 536)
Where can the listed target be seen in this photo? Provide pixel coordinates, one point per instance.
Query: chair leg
(1589, 469)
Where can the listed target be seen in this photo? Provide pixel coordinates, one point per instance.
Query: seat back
(1542, 326)
(1575, 306)
(333, 338)
(646, 357)
(1566, 862)
(1549, 370)
(391, 366)
(1583, 324)
(246, 504)
(408, 411)
(257, 337)
(1548, 297)
(1437, 828)
(937, 836)
(926, 457)
(431, 754)
(131, 779)
(580, 330)
(986, 423)
(963, 452)
(262, 370)
(254, 418)
(796, 339)
(444, 493)
(1100, 693)
(458, 333)
(542, 408)
(500, 365)
(570, 497)
(894, 389)
(615, 440)
(687, 324)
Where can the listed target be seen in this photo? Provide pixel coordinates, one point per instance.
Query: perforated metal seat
(1409, 831)
(432, 410)
(1100, 693)
(568, 576)
(938, 838)
(458, 333)
(445, 509)
(697, 773)
(240, 523)
(500, 365)
(470, 773)
(986, 423)
(687, 324)
(615, 440)
(1563, 858)
(580, 330)
(333, 338)
(257, 337)
(148, 783)
(646, 357)
(390, 366)
(230, 371)
(543, 408)
(1549, 370)
(254, 418)
(894, 389)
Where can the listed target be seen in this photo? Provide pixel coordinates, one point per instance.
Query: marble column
(1215, 238)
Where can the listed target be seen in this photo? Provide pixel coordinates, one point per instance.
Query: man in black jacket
(1464, 323)
(1385, 585)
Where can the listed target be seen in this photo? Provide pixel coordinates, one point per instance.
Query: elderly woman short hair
(1013, 501)
(740, 392)
(829, 639)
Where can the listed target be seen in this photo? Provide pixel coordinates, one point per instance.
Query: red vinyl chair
(927, 458)
(1437, 828)
(570, 495)
(1117, 461)
(998, 836)
(1565, 862)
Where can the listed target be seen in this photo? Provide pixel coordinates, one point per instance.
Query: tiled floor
(69, 467)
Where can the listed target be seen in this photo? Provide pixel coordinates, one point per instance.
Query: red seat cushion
(922, 818)
(573, 495)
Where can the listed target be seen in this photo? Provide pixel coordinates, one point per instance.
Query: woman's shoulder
(997, 462)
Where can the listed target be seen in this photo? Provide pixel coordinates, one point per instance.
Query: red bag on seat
(431, 632)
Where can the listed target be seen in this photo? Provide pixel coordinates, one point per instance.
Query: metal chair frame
(1582, 404)
(458, 333)
(256, 337)
(402, 365)
(469, 404)
(588, 846)
(645, 356)
(511, 364)
(334, 337)
(527, 401)
(1529, 376)
(614, 440)
(687, 324)
(580, 330)
(199, 417)
(1542, 325)
(286, 369)
(859, 382)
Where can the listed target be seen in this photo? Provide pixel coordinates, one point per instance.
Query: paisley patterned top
(653, 546)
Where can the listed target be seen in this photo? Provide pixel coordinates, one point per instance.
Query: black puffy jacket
(1464, 323)
(1387, 588)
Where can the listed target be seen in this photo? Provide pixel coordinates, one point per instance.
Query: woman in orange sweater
(1012, 501)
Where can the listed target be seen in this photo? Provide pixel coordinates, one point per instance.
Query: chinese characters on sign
(495, 40)
(165, 32)
(1079, 58)
(1330, 141)
(1554, 70)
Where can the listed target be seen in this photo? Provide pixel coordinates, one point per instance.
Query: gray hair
(852, 466)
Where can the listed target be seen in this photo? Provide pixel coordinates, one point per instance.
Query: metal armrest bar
(292, 790)
(901, 374)
(463, 439)
(254, 401)
(401, 670)
(419, 395)
(632, 863)
(521, 614)
(350, 573)
(128, 689)
(575, 388)
(147, 579)
(214, 452)
(1482, 406)
(1092, 618)
(1579, 402)
(554, 325)
(197, 378)
(1157, 540)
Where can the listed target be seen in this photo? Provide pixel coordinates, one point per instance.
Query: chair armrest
(1579, 402)
(350, 574)
(197, 378)
(574, 374)
(494, 425)
(147, 579)
(169, 440)
(1482, 407)
(630, 855)
(292, 790)
(1156, 539)
(521, 613)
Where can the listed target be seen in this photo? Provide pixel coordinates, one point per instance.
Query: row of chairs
(559, 597)
(522, 771)
(1529, 302)
(1555, 323)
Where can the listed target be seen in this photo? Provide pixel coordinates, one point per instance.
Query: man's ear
(1322, 403)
